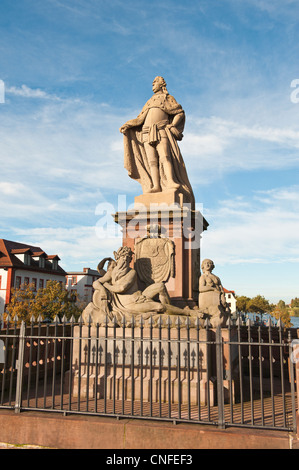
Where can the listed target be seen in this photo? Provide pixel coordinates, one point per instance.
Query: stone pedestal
(168, 198)
(183, 227)
(149, 368)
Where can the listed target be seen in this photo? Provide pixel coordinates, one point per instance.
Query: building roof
(53, 257)
(8, 259)
(229, 291)
(19, 251)
(40, 253)
(85, 272)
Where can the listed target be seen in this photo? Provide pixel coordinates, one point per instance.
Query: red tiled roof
(39, 253)
(53, 257)
(228, 291)
(20, 251)
(10, 248)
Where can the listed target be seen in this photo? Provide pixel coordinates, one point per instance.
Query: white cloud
(11, 189)
(260, 230)
(25, 92)
(218, 146)
(77, 247)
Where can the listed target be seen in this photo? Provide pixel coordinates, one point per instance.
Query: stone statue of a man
(152, 155)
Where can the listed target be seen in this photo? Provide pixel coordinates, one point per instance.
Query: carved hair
(163, 84)
(123, 252)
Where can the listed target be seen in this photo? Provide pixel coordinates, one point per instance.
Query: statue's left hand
(177, 134)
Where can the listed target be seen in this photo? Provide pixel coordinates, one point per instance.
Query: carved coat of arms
(154, 259)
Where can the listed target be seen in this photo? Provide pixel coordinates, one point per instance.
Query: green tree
(48, 302)
(282, 314)
(259, 304)
(295, 302)
(281, 304)
(242, 302)
(22, 300)
(295, 311)
(54, 300)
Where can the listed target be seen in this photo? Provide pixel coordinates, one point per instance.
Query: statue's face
(157, 84)
(208, 265)
(128, 259)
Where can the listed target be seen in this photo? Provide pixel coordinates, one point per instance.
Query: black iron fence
(241, 375)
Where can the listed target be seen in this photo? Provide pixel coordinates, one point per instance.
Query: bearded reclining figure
(117, 294)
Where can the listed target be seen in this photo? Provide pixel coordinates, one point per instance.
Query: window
(41, 284)
(41, 262)
(18, 282)
(55, 264)
(26, 281)
(229, 296)
(34, 282)
(86, 292)
(74, 280)
(27, 259)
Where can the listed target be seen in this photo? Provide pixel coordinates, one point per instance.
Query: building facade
(25, 264)
(81, 283)
(231, 300)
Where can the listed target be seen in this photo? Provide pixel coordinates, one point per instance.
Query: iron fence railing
(176, 371)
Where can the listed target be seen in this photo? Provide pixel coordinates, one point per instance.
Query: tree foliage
(48, 302)
(259, 304)
(256, 304)
(242, 301)
(283, 314)
(281, 304)
(295, 311)
(21, 303)
(295, 303)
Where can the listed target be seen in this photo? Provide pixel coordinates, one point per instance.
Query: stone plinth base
(145, 388)
(169, 198)
(131, 363)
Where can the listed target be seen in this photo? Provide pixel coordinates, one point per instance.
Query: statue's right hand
(123, 129)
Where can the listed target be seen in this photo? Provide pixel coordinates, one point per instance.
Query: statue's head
(207, 265)
(159, 84)
(123, 252)
(153, 230)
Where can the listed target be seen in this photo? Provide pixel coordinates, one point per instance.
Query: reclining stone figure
(117, 294)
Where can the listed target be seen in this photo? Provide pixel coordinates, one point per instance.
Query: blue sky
(76, 70)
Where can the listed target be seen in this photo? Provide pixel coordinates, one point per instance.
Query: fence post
(20, 367)
(219, 370)
(292, 379)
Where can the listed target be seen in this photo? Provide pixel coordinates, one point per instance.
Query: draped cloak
(135, 159)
